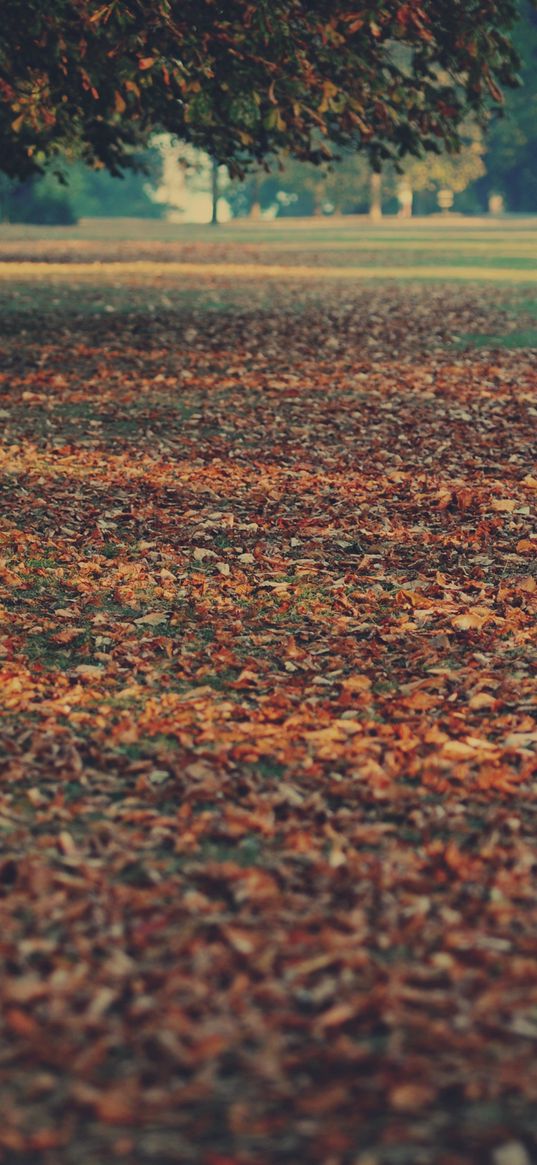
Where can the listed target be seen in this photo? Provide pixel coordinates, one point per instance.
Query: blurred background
(493, 175)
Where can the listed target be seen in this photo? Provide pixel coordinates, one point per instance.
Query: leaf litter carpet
(268, 874)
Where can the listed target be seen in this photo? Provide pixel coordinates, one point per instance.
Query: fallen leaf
(153, 619)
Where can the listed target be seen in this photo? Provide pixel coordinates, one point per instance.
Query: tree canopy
(245, 80)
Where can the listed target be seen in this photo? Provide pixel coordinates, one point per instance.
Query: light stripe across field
(134, 271)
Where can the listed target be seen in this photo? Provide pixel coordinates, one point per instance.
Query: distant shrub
(43, 201)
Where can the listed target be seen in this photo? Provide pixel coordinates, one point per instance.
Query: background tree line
(501, 163)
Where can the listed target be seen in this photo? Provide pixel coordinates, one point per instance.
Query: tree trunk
(375, 193)
(405, 196)
(214, 192)
(255, 206)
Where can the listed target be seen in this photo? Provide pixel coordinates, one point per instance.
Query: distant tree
(185, 188)
(449, 172)
(82, 192)
(300, 188)
(345, 187)
(96, 193)
(6, 185)
(245, 80)
(257, 192)
(43, 201)
(512, 141)
(348, 185)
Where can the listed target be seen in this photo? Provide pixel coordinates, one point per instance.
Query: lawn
(268, 873)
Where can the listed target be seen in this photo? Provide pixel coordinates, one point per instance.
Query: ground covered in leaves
(268, 875)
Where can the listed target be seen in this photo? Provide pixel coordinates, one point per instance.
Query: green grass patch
(522, 339)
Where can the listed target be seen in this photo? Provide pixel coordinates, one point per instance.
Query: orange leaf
(504, 505)
(411, 1097)
(471, 621)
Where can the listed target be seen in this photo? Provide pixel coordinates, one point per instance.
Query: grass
(506, 269)
(441, 241)
(157, 269)
(519, 339)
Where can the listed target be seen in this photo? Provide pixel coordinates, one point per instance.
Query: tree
(96, 193)
(302, 189)
(512, 141)
(245, 80)
(450, 172)
(41, 200)
(83, 193)
(343, 188)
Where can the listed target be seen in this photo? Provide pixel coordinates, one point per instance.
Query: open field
(467, 245)
(268, 873)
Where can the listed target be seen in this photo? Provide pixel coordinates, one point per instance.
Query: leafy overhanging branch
(246, 80)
